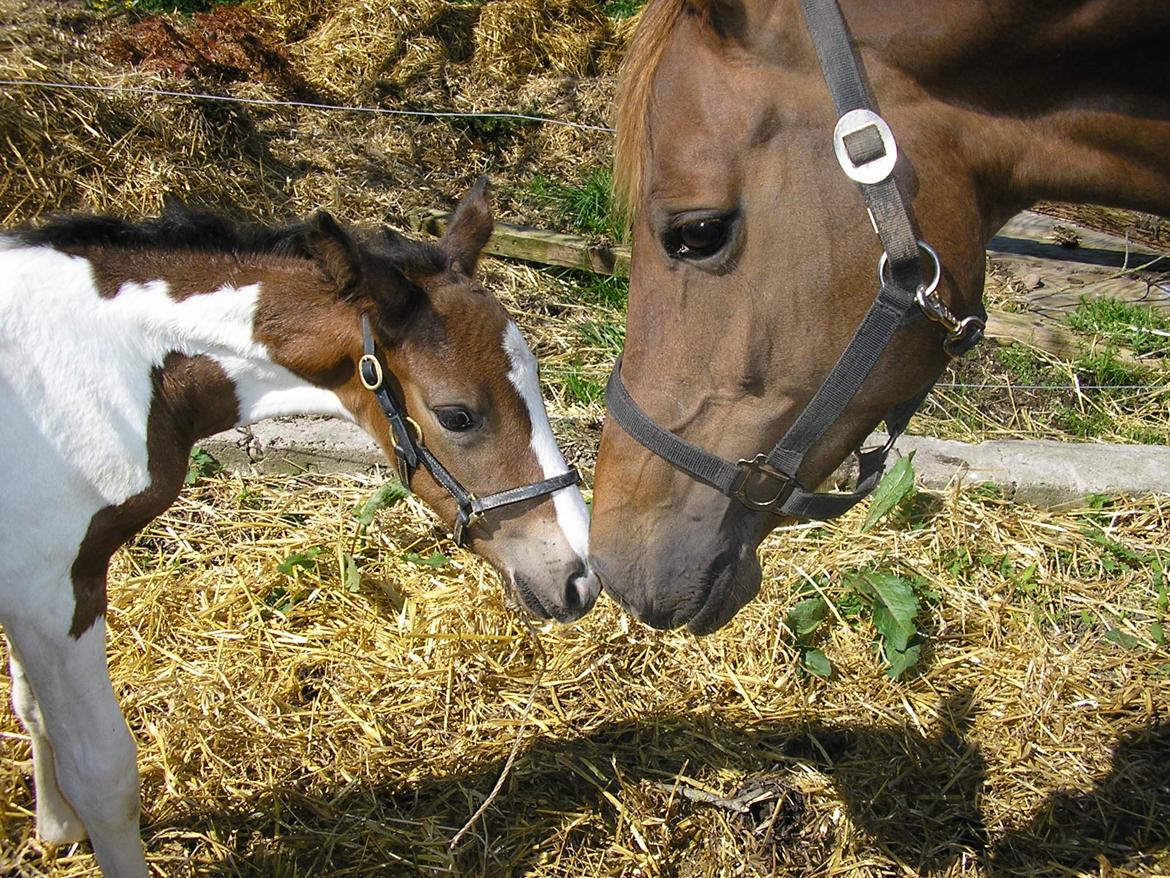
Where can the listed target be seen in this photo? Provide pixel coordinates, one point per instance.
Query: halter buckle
(878, 157)
(464, 519)
(962, 335)
(375, 378)
(756, 473)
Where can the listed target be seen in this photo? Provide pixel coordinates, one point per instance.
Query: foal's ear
(470, 228)
(334, 250)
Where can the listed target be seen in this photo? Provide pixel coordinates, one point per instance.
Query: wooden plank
(1004, 327)
(545, 248)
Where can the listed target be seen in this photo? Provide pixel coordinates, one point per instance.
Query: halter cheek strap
(410, 451)
(867, 153)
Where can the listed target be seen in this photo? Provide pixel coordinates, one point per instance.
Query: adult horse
(754, 332)
(122, 344)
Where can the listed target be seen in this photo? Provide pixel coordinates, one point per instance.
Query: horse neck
(1047, 99)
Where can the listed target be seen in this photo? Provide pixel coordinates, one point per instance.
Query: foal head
(466, 381)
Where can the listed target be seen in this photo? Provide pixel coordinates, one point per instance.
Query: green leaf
(435, 559)
(898, 661)
(805, 617)
(895, 486)
(306, 559)
(352, 574)
(816, 663)
(1122, 638)
(894, 634)
(200, 465)
(1157, 634)
(390, 494)
(897, 595)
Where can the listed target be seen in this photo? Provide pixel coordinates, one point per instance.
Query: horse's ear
(334, 250)
(470, 228)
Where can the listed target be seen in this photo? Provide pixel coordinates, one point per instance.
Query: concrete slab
(1041, 472)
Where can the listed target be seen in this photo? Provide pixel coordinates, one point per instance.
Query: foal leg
(93, 752)
(57, 822)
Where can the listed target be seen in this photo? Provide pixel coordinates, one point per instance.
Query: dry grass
(289, 727)
(127, 153)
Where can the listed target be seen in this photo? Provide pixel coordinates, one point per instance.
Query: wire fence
(310, 105)
(144, 91)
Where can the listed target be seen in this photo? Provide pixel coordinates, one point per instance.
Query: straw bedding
(291, 726)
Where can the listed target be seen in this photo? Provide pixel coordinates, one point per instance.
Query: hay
(516, 38)
(288, 726)
(128, 153)
(361, 42)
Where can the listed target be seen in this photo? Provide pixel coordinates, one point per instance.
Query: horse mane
(186, 228)
(635, 91)
(180, 228)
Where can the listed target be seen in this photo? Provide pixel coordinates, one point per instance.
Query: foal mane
(185, 228)
(180, 228)
(635, 93)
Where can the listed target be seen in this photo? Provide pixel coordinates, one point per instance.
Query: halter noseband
(867, 153)
(410, 451)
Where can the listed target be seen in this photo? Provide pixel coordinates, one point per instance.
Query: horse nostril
(581, 588)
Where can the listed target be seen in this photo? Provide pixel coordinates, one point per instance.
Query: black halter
(410, 451)
(867, 153)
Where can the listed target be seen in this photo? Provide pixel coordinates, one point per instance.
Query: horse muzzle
(700, 580)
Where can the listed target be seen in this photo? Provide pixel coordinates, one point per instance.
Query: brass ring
(370, 358)
(418, 433)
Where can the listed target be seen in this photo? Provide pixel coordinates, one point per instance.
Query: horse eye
(455, 418)
(699, 238)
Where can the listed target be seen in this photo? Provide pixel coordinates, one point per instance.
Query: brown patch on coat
(192, 398)
(193, 272)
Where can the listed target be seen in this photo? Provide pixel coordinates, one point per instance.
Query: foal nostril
(581, 590)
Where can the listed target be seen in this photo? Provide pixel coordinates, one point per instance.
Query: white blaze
(572, 516)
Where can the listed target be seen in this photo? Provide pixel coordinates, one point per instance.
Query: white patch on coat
(75, 393)
(572, 515)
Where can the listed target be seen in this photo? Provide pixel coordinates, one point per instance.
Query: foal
(121, 345)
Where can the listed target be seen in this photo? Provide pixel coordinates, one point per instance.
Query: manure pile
(291, 726)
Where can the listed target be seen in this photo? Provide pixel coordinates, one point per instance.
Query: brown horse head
(463, 375)
(754, 259)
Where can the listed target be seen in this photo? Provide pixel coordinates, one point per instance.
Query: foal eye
(698, 238)
(455, 418)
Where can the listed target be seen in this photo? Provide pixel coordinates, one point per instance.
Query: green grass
(608, 336)
(156, 7)
(1018, 391)
(579, 387)
(623, 8)
(1141, 329)
(588, 206)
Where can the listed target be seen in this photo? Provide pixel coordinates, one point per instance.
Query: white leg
(93, 753)
(57, 822)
